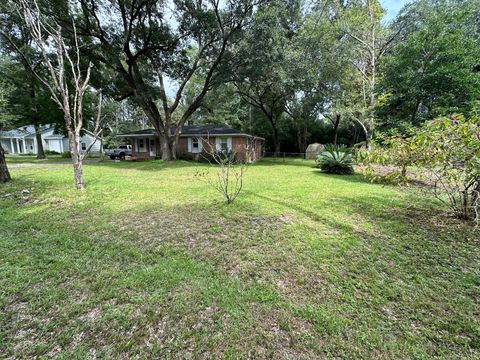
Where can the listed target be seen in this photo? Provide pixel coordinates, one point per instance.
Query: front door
(153, 148)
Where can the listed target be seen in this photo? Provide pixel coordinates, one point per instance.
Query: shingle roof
(54, 136)
(210, 129)
(199, 130)
(140, 132)
(26, 130)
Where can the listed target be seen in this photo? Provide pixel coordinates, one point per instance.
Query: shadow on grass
(198, 275)
(315, 216)
(148, 165)
(354, 178)
(287, 162)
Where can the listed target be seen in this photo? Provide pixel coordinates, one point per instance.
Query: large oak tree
(153, 48)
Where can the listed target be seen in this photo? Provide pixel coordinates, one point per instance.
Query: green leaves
(430, 73)
(336, 160)
(445, 153)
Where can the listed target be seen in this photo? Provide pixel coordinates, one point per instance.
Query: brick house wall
(241, 145)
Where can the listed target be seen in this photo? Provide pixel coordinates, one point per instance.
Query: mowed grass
(148, 262)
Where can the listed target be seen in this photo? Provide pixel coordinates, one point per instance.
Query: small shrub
(446, 153)
(228, 180)
(51, 152)
(66, 155)
(336, 160)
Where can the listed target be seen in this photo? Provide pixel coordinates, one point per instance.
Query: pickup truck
(120, 152)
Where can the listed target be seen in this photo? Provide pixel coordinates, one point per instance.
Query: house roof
(54, 137)
(195, 130)
(23, 131)
(29, 131)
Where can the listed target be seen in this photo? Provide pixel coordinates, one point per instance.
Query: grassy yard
(149, 262)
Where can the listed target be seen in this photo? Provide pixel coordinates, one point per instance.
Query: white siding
(55, 145)
(88, 139)
(66, 145)
(44, 134)
(59, 144)
(30, 146)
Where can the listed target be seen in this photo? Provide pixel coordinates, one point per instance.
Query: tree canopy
(292, 71)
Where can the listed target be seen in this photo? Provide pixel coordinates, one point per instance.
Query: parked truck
(120, 152)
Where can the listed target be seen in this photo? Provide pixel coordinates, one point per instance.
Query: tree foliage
(153, 46)
(446, 154)
(433, 70)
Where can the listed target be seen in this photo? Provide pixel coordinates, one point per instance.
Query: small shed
(313, 150)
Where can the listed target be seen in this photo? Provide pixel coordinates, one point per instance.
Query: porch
(146, 147)
(19, 145)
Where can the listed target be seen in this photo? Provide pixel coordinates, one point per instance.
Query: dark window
(195, 144)
(141, 145)
(224, 144)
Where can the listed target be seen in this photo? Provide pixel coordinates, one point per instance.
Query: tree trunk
(175, 145)
(35, 120)
(4, 173)
(367, 135)
(276, 146)
(166, 147)
(335, 129)
(301, 138)
(415, 111)
(276, 141)
(304, 139)
(38, 136)
(76, 160)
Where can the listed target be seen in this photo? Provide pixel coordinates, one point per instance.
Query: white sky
(393, 7)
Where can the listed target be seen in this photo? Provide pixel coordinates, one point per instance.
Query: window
(152, 148)
(224, 144)
(84, 146)
(195, 145)
(141, 145)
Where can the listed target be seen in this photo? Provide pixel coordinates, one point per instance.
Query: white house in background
(24, 141)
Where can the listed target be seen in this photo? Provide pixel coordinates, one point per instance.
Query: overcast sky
(393, 7)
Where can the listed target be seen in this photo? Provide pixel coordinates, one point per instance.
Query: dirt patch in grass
(303, 266)
(249, 247)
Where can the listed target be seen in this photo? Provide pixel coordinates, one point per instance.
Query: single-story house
(194, 139)
(23, 140)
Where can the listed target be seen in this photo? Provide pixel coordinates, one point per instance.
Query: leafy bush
(66, 155)
(446, 153)
(50, 152)
(336, 160)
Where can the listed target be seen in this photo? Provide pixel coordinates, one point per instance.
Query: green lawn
(149, 262)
